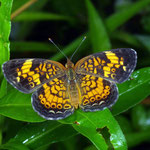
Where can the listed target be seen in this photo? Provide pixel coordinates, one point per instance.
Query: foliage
(106, 25)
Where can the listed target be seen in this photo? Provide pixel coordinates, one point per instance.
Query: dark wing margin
(27, 75)
(115, 65)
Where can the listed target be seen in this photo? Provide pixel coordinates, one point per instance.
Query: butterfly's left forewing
(115, 65)
(29, 74)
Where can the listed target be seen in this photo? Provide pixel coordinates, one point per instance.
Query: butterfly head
(69, 64)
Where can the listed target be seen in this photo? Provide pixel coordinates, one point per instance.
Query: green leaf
(14, 145)
(124, 123)
(119, 18)
(2, 124)
(99, 38)
(133, 91)
(40, 134)
(40, 16)
(90, 125)
(5, 26)
(3, 88)
(17, 105)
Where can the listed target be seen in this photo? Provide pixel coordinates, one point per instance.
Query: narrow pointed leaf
(40, 16)
(40, 134)
(5, 27)
(98, 34)
(119, 18)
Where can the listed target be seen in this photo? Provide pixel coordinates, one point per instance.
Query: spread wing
(96, 93)
(51, 101)
(29, 74)
(115, 65)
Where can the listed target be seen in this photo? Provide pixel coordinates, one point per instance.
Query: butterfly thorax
(73, 87)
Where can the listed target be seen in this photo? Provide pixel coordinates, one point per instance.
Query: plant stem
(22, 8)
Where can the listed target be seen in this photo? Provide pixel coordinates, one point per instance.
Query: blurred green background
(107, 25)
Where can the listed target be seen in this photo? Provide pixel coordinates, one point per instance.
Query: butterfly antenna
(78, 47)
(57, 47)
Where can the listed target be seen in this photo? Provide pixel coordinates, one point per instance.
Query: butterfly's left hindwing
(96, 93)
(28, 74)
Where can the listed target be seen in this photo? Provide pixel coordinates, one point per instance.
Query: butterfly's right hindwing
(52, 101)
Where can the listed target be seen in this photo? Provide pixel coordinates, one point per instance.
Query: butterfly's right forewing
(29, 74)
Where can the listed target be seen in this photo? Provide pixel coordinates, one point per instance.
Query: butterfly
(58, 90)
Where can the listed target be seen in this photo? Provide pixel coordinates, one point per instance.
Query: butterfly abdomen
(74, 93)
(73, 89)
